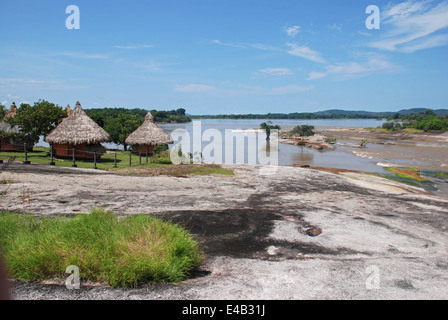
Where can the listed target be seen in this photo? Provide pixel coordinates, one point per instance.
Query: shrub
(303, 131)
(164, 160)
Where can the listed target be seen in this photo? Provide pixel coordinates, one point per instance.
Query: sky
(226, 56)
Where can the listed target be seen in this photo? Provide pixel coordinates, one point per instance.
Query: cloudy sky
(226, 56)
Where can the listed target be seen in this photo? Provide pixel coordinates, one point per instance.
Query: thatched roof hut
(148, 135)
(11, 112)
(6, 127)
(77, 129)
(79, 133)
(8, 142)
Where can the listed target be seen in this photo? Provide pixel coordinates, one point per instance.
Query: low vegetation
(407, 173)
(422, 122)
(158, 164)
(303, 131)
(124, 252)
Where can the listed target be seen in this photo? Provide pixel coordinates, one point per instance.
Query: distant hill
(419, 110)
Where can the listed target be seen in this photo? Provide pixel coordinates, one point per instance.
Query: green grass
(124, 252)
(41, 155)
(411, 174)
(412, 130)
(442, 174)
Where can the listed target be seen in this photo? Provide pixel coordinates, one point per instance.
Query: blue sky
(226, 56)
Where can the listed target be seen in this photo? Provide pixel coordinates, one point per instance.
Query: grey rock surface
(378, 239)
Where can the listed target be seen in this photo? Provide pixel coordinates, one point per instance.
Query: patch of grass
(412, 175)
(122, 252)
(155, 166)
(442, 174)
(178, 170)
(412, 130)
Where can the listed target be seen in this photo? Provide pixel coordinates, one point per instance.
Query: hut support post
(51, 156)
(74, 163)
(130, 158)
(139, 158)
(26, 154)
(94, 161)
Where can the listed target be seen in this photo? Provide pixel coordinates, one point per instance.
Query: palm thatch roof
(77, 129)
(11, 112)
(149, 133)
(68, 110)
(6, 127)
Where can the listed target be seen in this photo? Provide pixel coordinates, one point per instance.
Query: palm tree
(268, 127)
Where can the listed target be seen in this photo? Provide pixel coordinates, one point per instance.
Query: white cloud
(259, 46)
(192, 88)
(288, 89)
(79, 55)
(336, 27)
(276, 72)
(373, 65)
(413, 25)
(305, 52)
(292, 31)
(316, 75)
(143, 46)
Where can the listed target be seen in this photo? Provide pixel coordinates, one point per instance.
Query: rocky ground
(436, 139)
(267, 232)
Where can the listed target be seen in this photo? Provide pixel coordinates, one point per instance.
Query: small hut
(147, 136)
(12, 144)
(80, 134)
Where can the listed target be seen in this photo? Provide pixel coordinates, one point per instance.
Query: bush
(164, 160)
(303, 131)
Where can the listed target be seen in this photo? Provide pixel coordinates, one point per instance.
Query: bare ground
(254, 228)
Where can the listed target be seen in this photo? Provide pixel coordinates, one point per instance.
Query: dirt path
(254, 226)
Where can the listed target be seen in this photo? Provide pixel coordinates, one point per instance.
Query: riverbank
(253, 228)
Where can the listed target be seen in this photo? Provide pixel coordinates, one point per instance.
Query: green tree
(122, 126)
(2, 111)
(303, 131)
(38, 119)
(267, 127)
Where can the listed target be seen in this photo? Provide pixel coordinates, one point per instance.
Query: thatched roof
(69, 110)
(6, 127)
(78, 128)
(11, 112)
(149, 134)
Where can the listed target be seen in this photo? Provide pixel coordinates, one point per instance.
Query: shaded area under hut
(147, 136)
(79, 134)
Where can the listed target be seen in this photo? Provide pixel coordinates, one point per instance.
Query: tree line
(292, 116)
(426, 121)
(43, 116)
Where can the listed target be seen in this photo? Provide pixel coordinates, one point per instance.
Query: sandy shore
(254, 231)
